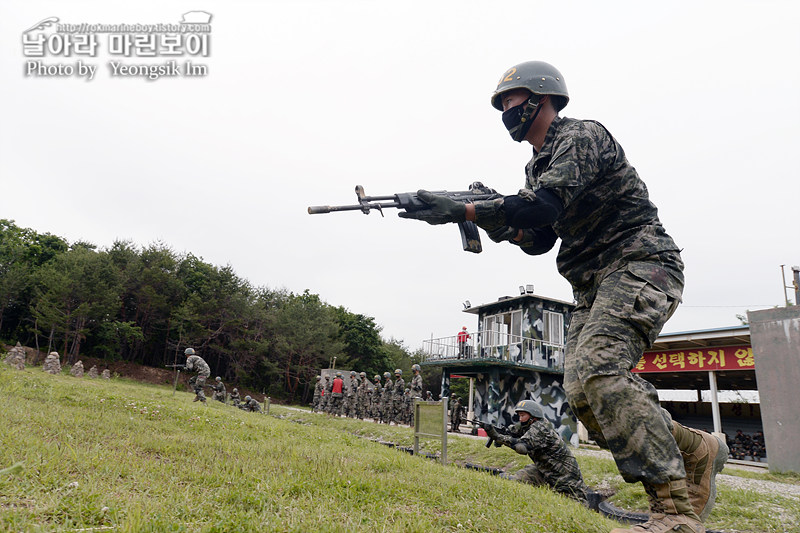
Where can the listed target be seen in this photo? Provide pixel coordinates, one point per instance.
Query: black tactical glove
(491, 431)
(441, 211)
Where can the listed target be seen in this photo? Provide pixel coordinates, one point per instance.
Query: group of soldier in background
(195, 363)
(385, 402)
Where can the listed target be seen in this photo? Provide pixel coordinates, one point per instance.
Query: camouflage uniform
(456, 414)
(349, 408)
(252, 405)
(375, 401)
(219, 391)
(362, 400)
(627, 278)
(397, 400)
(318, 389)
(325, 403)
(553, 463)
(195, 363)
(386, 401)
(416, 386)
(235, 398)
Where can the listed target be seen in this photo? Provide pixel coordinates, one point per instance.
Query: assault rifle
(470, 239)
(486, 426)
(177, 375)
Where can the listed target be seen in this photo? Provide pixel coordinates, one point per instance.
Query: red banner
(698, 360)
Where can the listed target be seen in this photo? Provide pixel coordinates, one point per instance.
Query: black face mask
(513, 118)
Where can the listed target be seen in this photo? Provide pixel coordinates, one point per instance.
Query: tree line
(147, 304)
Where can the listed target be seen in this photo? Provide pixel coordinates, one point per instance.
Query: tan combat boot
(672, 511)
(704, 456)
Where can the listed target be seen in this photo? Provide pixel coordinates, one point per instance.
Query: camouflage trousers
(575, 489)
(198, 382)
(606, 340)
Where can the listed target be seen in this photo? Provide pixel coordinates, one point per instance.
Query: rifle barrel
(321, 209)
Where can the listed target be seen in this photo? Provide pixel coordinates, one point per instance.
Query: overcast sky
(304, 100)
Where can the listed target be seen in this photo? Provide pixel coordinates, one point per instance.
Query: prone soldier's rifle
(470, 238)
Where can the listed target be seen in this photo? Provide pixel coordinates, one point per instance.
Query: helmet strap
(526, 121)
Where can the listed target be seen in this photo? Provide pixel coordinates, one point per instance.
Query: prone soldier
(250, 404)
(553, 463)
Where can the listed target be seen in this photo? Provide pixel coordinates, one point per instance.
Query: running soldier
(195, 363)
(627, 278)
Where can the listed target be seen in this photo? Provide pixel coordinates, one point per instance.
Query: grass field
(117, 455)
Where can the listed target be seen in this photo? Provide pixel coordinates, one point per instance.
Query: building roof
(726, 336)
(517, 300)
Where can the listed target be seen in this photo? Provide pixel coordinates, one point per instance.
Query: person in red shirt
(336, 395)
(462, 338)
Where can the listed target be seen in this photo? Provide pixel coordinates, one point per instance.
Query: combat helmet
(386, 375)
(218, 378)
(363, 375)
(338, 374)
(538, 77)
(247, 398)
(352, 373)
(398, 372)
(530, 407)
(188, 351)
(235, 389)
(377, 377)
(319, 378)
(416, 368)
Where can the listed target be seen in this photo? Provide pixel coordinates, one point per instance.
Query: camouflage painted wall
(498, 390)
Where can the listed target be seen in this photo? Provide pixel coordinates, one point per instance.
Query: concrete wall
(775, 337)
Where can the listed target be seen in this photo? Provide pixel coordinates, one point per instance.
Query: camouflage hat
(538, 77)
(188, 351)
(398, 372)
(416, 368)
(530, 407)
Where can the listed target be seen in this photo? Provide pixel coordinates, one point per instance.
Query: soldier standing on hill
(325, 403)
(416, 382)
(362, 397)
(397, 397)
(318, 388)
(386, 398)
(195, 363)
(375, 399)
(553, 463)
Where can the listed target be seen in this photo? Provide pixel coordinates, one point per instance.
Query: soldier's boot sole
(664, 523)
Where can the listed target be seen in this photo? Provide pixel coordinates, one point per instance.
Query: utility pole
(796, 283)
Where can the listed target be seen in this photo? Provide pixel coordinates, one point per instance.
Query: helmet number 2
(509, 76)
